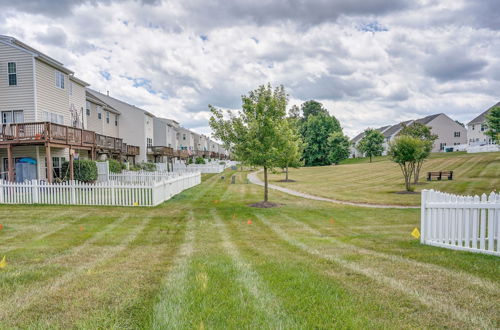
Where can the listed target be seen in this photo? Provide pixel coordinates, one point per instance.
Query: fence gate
(103, 171)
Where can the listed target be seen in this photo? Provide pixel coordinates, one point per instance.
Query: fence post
(423, 220)
(73, 191)
(2, 182)
(34, 185)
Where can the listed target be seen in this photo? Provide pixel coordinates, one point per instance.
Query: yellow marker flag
(3, 263)
(136, 204)
(415, 233)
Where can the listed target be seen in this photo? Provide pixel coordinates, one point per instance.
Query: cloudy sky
(369, 62)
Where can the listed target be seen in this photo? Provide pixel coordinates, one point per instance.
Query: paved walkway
(252, 177)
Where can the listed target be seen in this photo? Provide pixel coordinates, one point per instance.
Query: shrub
(222, 163)
(85, 170)
(190, 161)
(149, 167)
(199, 160)
(115, 166)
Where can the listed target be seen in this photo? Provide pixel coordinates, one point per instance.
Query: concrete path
(252, 177)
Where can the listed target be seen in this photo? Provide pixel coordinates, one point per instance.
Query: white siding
(445, 127)
(77, 99)
(20, 97)
(49, 97)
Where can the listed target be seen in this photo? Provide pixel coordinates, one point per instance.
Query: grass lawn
(358, 180)
(197, 262)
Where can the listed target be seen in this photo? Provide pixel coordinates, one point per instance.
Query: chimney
(107, 92)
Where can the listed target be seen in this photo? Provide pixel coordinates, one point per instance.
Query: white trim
(8, 74)
(35, 102)
(17, 47)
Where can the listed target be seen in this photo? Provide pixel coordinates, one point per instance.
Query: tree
(315, 131)
(422, 132)
(312, 108)
(338, 147)
(292, 148)
(493, 122)
(371, 143)
(253, 134)
(85, 170)
(406, 151)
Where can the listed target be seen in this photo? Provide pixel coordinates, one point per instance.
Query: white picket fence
(100, 193)
(461, 222)
(485, 148)
(144, 177)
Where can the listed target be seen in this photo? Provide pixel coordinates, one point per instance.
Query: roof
(395, 128)
(94, 99)
(362, 134)
(482, 117)
(428, 119)
(41, 56)
(115, 103)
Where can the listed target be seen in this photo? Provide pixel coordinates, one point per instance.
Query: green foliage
(371, 143)
(338, 147)
(312, 108)
(200, 160)
(493, 122)
(315, 131)
(406, 151)
(292, 148)
(424, 134)
(189, 161)
(148, 166)
(115, 166)
(254, 134)
(85, 170)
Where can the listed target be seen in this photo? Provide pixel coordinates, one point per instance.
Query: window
(149, 142)
(456, 134)
(116, 120)
(57, 167)
(12, 69)
(60, 79)
(107, 117)
(184, 137)
(99, 114)
(87, 106)
(9, 117)
(53, 117)
(484, 127)
(441, 146)
(473, 127)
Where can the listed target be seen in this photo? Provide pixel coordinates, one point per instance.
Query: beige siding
(109, 128)
(20, 97)
(49, 97)
(445, 127)
(77, 98)
(93, 122)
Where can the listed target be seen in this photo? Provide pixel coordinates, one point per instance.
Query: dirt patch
(289, 180)
(407, 192)
(265, 205)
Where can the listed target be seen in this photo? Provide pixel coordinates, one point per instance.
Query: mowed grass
(197, 262)
(379, 182)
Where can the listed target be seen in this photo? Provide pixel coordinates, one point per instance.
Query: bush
(115, 166)
(85, 170)
(190, 161)
(149, 167)
(199, 160)
(222, 163)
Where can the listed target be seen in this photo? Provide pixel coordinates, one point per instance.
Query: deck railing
(161, 151)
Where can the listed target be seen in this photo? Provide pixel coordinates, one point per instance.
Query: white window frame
(87, 108)
(12, 73)
(99, 112)
(107, 117)
(12, 114)
(59, 79)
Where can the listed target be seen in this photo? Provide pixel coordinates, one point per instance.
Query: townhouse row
(50, 116)
(451, 135)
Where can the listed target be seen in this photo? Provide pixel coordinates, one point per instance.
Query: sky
(370, 63)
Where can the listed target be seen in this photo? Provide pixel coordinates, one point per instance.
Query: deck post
(48, 157)
(71, 169)
(10, 163)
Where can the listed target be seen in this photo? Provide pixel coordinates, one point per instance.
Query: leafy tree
(254, 134)
(422, 132)
(406, 152)
(371, 143)
(199, 160)
(294, 112)
(312, 108)
(493, 122)
(315, 131)
(338, 147)
(292, 148)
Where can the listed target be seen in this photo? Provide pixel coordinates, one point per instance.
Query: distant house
(477, 128)
(449, 133)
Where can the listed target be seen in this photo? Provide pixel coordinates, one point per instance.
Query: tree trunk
(416, 173)
(286, 179)
(265, 184)
(370, 158)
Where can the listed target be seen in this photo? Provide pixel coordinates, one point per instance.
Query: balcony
(132, 150)
(41, 132)
(108, 143)
(161, 151)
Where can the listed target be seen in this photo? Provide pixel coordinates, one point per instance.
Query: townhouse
(477, 128)
(42, 110)
(50, 116)
(449, 133)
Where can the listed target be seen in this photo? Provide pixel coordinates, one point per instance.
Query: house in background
(42, 112)
(164, 141)
(449, 133)
(135, 126)
(477, 128)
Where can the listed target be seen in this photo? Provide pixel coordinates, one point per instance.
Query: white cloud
(174, 58)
